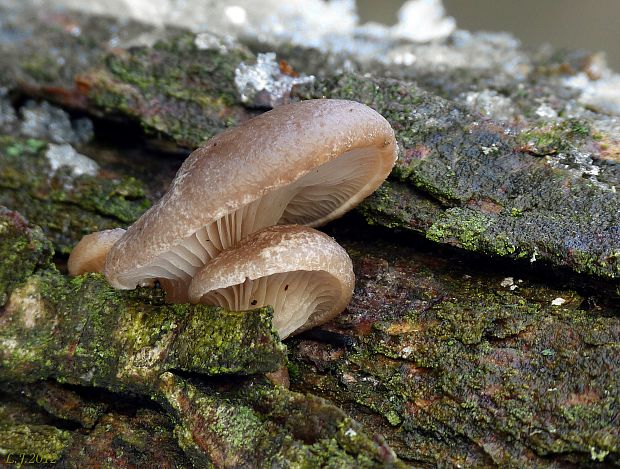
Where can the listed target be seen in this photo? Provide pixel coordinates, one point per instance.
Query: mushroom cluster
(235, 227)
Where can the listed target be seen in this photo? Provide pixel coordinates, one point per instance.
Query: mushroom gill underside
(295, 297)
(310, 200)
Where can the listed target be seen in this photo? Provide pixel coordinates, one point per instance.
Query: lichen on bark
(64, 205)
(474, 184)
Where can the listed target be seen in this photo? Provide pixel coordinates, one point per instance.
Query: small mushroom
(90, 253)
(304, 274)
(304, 163)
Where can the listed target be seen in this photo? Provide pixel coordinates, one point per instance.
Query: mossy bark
(59, 401)
(461, 179)
(252, 424)
(477, 186)
(460, 366)
(122, 437)
(65, 206)
(458, 360)
(81, 331)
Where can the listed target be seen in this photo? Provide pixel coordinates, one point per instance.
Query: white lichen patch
(581, 165)
(545, 111)
(507, 282)
(210, 41)
(26, 305)
(559, 301)
(264, 84)
(48, 122)
(143, 354)
(601, 94)
(148, 358)
(490, 150)
(489, 103)
(17, 351)
(65, 156)
(8, 345)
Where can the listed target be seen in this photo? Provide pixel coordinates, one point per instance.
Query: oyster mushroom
(304, 163)
(90, 253)
(305, 275)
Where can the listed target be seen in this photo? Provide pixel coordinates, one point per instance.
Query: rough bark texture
(461, 178)
(81, 331)
(122, 437)
(457, 358)
(458, 368)
(250, 424)
(65, 207)
(468, 182)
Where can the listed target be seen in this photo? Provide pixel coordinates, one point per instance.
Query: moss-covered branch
(124, 440)
(449, 357)
(461, 179)
(478, 186)
(64, 205)
(255, 425)
(82, 331)
(457, 360)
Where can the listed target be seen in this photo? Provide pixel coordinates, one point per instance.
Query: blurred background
(572, 24)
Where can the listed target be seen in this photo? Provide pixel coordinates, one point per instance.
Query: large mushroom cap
(304, 163)
(305, 275)
(90, 253)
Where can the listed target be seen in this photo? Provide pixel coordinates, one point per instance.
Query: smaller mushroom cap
(90, 253)
(305, 275)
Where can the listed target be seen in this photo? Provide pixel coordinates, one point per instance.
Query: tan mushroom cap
(304, 163)
(305, 275)
(90, 253)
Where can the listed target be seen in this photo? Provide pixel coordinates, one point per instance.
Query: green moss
(238, 345)
(257, 425)
(22, 251)
(554, 138)
(42, 68)
(39, 440)
(193, 88)
(462, 368)
(466, 227)
(515, 212)
(64, 206)
(82, 331)
(397, 206)
(293, 370)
